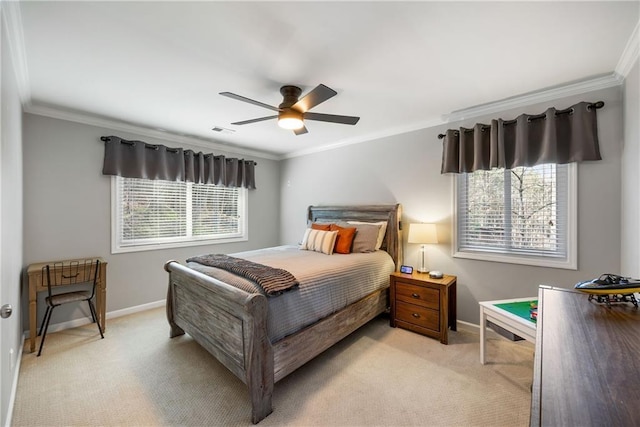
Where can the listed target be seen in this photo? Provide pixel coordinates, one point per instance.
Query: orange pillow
(344, 238)
(323, 227)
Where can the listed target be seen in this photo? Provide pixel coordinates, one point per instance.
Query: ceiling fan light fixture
(293, 110)
(290, 120)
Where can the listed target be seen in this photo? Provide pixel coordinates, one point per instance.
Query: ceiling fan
(293, 111)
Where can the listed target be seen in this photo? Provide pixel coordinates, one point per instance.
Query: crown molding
(10, 12)
(550, 94)
(545, 95)
(425, 124)
(630, 53)
(115, 125)
(15, 38)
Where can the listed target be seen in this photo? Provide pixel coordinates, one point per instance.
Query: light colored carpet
(138, 376)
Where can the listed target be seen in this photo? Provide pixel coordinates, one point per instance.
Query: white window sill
(568, 264)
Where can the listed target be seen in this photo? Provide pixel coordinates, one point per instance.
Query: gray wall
(67, 212)
(10, 220)
(62, 157)
(406, 169)
(630, 238)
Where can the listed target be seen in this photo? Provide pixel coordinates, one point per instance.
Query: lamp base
(423, 266)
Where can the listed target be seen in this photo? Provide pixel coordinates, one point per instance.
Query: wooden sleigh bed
(231, 323)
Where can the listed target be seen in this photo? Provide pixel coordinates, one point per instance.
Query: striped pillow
(319, 241)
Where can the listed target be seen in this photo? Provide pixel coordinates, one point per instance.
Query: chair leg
(93, 314)
(46, 326)
(46, 313)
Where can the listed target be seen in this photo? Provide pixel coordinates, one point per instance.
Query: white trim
(597, 83)
(570, 263)
(17, 48)
(182, 242)
(510, 259)
(112, 124)
(15, 38)
(549, 94)
(110, 315)
(572, 207)
(467, 324)
(630, 53)
(136, 309)
(454, 215)
(475, 328)
(115, 218)
(399, 130)
(14, 386)
(544, 95)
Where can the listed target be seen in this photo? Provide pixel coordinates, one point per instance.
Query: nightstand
(424, 305)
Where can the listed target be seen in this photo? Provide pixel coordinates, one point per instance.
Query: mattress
(328, 283)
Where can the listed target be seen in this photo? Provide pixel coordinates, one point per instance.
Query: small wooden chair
(81, 272)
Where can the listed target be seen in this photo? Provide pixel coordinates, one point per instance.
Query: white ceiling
(398, 66)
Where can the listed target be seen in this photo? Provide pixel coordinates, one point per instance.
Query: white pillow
(381, 230)
(319, 241)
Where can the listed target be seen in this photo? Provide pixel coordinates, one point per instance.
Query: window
(526, 215)
(148, 214)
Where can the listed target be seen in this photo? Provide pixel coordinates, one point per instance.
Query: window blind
(522, 211)
(152, 212)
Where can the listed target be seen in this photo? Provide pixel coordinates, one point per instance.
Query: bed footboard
(229, 323)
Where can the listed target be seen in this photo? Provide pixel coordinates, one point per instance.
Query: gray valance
(555, 136)
(137, 159)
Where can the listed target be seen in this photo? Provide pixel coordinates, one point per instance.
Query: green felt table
(510, 314)
(519, 308)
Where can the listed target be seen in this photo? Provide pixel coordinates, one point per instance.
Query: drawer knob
(415, 295)
(416, 315)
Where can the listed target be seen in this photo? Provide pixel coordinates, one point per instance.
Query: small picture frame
(406, 269)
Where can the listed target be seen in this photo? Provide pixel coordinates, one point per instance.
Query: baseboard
(468, 325)
(14, 386)
(110, 315)
(476, 329)
(136, 309)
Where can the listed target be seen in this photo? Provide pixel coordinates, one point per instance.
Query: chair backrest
(73, 272)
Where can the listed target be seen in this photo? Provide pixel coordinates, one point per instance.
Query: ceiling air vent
(222, 130)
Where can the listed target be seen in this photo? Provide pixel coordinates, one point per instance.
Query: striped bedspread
(328, 283)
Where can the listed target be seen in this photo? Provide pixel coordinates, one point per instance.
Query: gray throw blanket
(273, 281)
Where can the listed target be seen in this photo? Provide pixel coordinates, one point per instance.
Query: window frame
(179, 242)
(570, 262)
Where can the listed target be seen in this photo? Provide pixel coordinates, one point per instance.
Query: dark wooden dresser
(587, 362)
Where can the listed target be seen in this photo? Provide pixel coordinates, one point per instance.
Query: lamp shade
(423, 233)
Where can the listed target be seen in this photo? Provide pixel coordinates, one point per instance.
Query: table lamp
(423, 234)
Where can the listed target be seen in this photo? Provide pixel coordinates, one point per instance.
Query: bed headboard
(369, 213)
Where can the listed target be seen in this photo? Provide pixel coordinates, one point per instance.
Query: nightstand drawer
(419, 295)
(417, 315)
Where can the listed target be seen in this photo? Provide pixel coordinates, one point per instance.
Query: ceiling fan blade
(317, 96)
(246, 122)
(332, 118)
(250, 101)
(301, 131)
